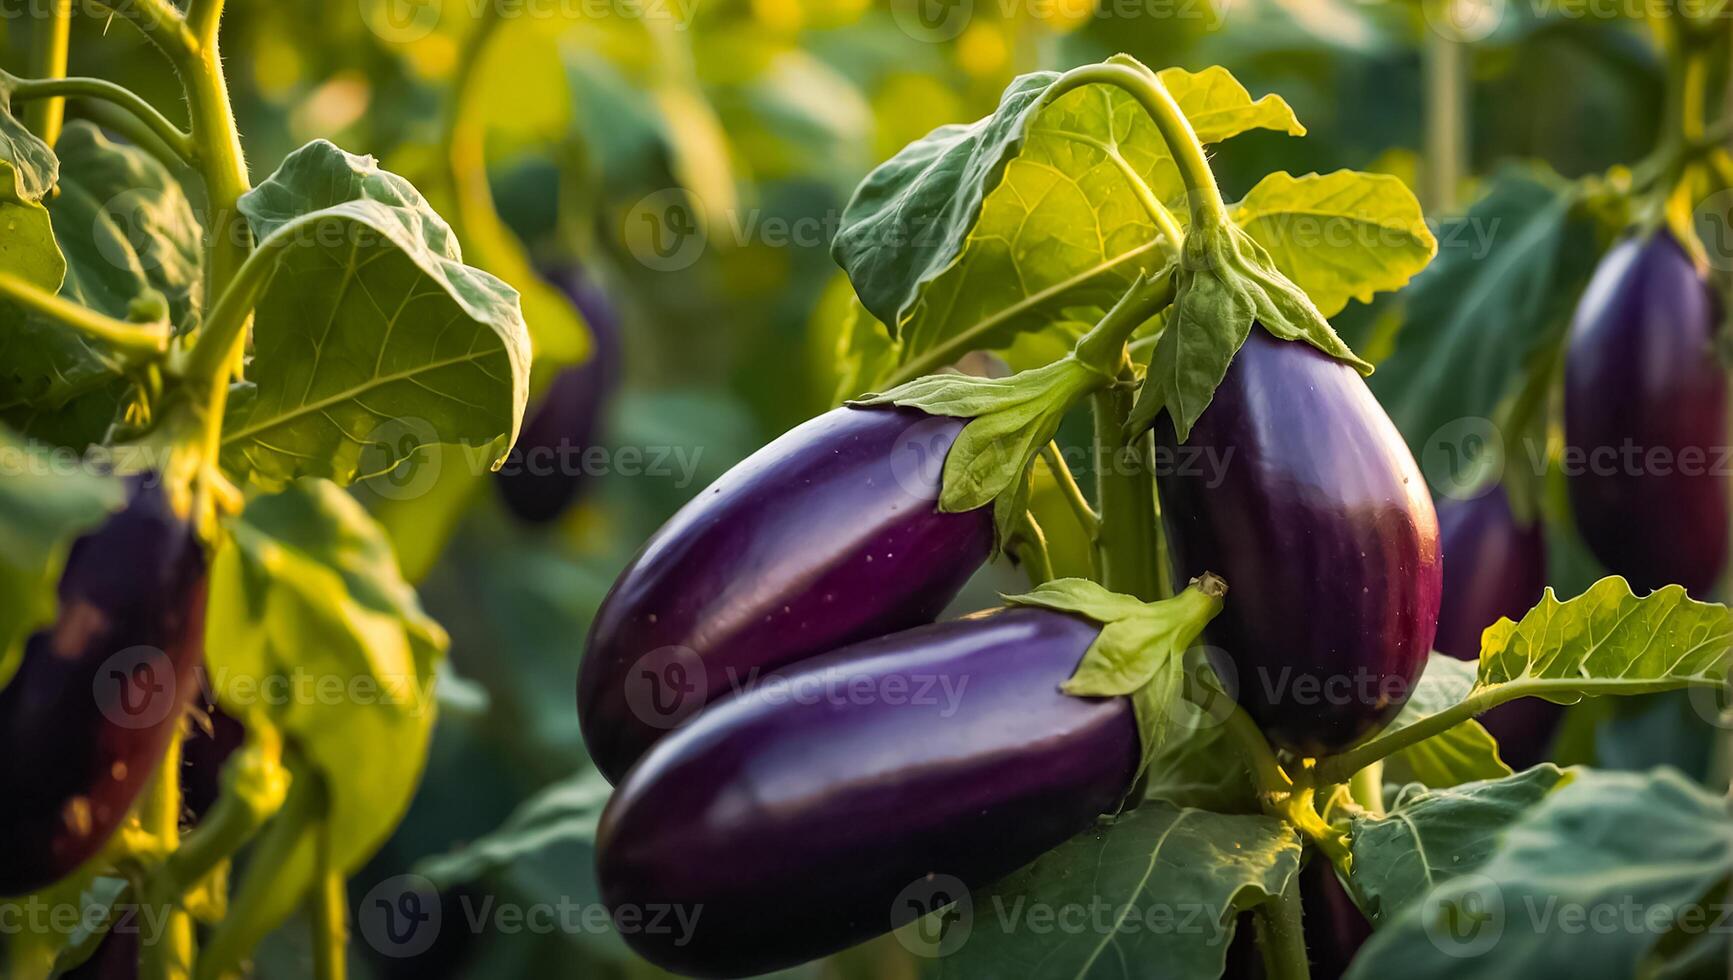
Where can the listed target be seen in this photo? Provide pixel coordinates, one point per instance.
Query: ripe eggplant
(91, 709)
(852, 794)
(545, 472)
(1314, 509)
(829, 535)
(1646, 418)
(1493, 567)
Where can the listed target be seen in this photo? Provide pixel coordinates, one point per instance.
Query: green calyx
(1140, 651)
(1011, 420)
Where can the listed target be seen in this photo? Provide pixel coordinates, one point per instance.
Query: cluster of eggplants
(544, 474)
(774, 828)
(1494, 566)
(1646, 418)
(100, 692)
(1295, 486)
(829, 535)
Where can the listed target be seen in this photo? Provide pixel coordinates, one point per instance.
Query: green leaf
(44, 505)
(1157, 892)
(865, 352)
(372, 339)
(125, 228)
(1201, 767)
(1208, 323)
(1339, 236)
(28, 169)
(1614, 875)
(980, 232)
(313, 630)
(1140, 650)
(1433, 835)
(1506, 273)
(1462, 754)
(563, 813)
(1608, 641)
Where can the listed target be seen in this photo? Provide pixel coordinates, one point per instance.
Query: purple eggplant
(98, 695)
(827, 536)
(1296, 487)
(1494, 567)
(856, 792)
(545, 472)
(1646, 418)
(207, 746)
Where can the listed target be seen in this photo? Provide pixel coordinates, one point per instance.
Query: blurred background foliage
(760, 116)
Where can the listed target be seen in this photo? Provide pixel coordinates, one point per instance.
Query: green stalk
(135, 342)
(169, 955)
(1446, 128)
(1125, 542)
(1281, 938)
(48, 49)
(46, 91)
(329, 915)
(1087, 519)
(1032, 551)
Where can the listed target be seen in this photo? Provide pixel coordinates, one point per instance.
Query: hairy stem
(1281, 938)
(48, 48)
(1032, 550)
(1125, 539)
(167, 954)
(135, 342)
(330, 916)
(1103, 347)
(1087, 519)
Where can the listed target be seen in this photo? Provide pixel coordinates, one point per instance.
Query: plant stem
(226, 323)
(295, 827)
(1087, 519)
(1281, 936)
(1103, 347)
(1125, 539)
(1037, 562)
(45, 91)
(160, 23)
(1367, 788)
(1446, 129)
(329, 916)
(48, 49)
(1268, 778)
(135, 342)
(169, 954)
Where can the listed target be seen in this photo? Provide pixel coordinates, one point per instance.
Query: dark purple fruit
(858, 791)
(1335, 927)
(545, 472)
(1494, 567)
(827, 536)
(92, 707)
(210, 740)
(116, 957)
(1296, 488)
(1646, 419)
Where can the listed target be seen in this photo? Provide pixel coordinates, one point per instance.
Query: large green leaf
(1505, 273)
(1433, 835)
(125, 227)
(313, 630)
(1339, 236)
(44, 505)
(1614, 875)
(28, 168)
(565, 812)
(978, 232)
(1462, 754)
(372, 339)
(1151, 895)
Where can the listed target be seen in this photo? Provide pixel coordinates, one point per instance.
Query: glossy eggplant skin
(1317, 516)
(828, 536)
(98, 695)
(545, 472)
(792, 827)
(1646, 419)
(1494, 566)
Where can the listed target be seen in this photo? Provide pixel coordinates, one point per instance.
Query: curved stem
(1281, 936)
(1268, 778)
(1182, 143)
(48, 49)
(1068, 488)
(329, 915)
(135, 342)
(1103, 346)
(1037, 561)
(51, 90)
(225, 325)
(160, 23)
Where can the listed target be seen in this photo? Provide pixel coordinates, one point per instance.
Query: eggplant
(1645, 459)
(1334, 926)
(99, 694)
(1494, 567)
(1295, 486)
(846, 796)
(544, 473)
(829, 535)
(206, 747)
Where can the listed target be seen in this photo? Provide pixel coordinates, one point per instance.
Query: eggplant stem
(1032, 550)
(1086, 516)
(1281, 936)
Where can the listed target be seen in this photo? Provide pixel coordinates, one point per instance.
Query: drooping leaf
(1157, 891)
(566, 812)
(44, 505)
(372, 338)
(1614, 875)
(313, 630)
(979, 232)
(1462, 754)
(1208, 323)
(1430, 836)
(1339, 236)
(28, 168)
(125, 227)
